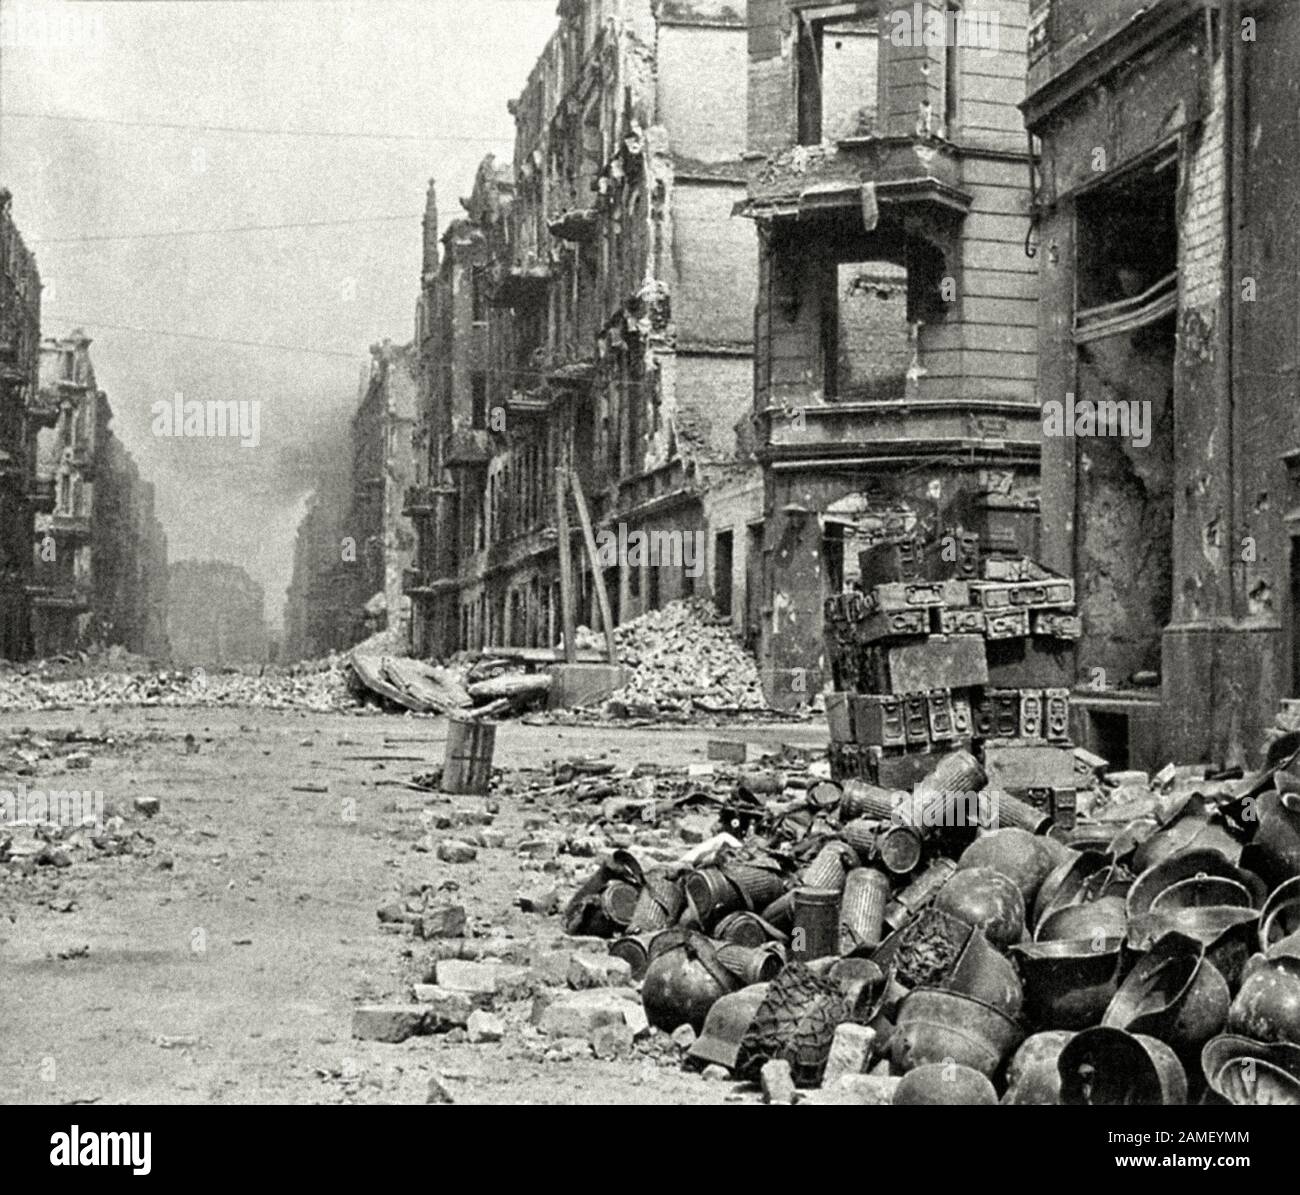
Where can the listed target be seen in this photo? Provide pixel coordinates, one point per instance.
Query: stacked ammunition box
(954, 646)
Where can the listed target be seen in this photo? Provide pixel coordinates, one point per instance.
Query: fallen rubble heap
(316, 688)
(684, 659)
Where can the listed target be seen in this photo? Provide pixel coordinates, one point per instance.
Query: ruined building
(355, 543)
(20, 336)
(215, 615)
(382, 469)
(99, 553)
(1169, 259)
(895, 364)
(592, 310)
(318, 617)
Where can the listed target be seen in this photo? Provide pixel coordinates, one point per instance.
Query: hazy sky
(435, 73)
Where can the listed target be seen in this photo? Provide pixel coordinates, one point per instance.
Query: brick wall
(1201, 243)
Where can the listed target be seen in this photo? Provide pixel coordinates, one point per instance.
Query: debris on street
(952, 904)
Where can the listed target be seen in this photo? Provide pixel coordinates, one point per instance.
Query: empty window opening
(723, 556)
(868, 338)
(479, 399)
(1110, 737)
(838, 58)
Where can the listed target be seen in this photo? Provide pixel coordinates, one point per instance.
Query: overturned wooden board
(411, 684)
(518, 686)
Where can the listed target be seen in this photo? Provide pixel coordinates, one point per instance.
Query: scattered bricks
(484, 1027)
(1088, 764)
(471, 949)
(478, 981)
(940, 662)
(724, 751)
(540, 900)
(598, 971)
(1128, 779)
(851, 1049)
(869, 1090)
(454, 850)
(612, 1041)
(442, 921)
(580, 1014)
(53, 856)
(778, 1082)
(684, 1037)
(388, 1022)
(445, 1009)
(439, 1092)
(148, 806)
(471, 817)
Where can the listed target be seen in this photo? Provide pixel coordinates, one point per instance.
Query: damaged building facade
(99, 553)
(895, 395)
(1166, 233)
(20, 337)
(355, 545)
(592, 311)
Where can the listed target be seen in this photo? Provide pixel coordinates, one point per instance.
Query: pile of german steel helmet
(1154, 961)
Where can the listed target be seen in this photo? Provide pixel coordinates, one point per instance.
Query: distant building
(20, 497)
(355, 544)
(216, 615)
(382, 469)
(99, 553)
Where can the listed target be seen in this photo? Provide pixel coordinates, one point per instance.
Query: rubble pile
(320, 688)
(683, 659)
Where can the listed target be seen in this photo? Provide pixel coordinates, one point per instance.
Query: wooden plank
(597, 573)
(569, 622)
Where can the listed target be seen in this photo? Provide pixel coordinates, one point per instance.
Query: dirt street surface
(221, 960)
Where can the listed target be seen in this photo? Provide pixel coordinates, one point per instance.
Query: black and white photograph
(651, 552)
